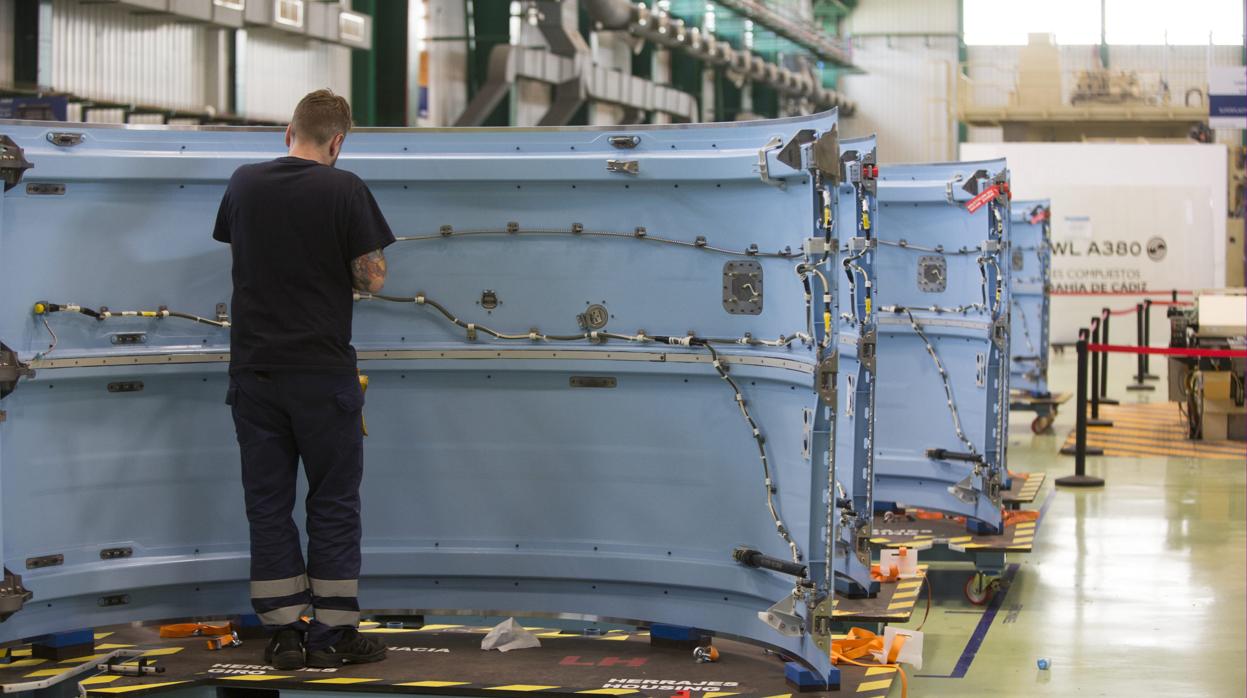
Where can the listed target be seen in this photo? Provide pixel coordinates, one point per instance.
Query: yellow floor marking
(908, 585)
(613, 637)
(432, 684)
(718, 694)
(905, 594)
(1028, 524)
(872, 685)
(162, 651)
(369, 624)
(48, 672)
(255, 677)
(135, 687)
(101, 636)
(341, 680)
(439, 627)
(21, 653)
(781, 695)
(520, 687)
(1020, 547)
(961, 539)
(81, 660)
(1023, 539)
(876, 541)
(876, 670)
(609, 692)
(23, 662)
(901, 604)
(95, 680)
(112, 646)
(553, 634)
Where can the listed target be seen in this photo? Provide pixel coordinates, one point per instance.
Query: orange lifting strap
(860, 643)
(893, 573)
(194, 630)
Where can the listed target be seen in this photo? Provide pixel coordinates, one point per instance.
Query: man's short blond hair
(320, 116)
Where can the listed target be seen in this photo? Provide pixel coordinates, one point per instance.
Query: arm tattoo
(368, 272)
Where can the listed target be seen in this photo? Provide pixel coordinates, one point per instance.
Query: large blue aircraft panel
(1030, 261)
(943, 295)
(592, 375)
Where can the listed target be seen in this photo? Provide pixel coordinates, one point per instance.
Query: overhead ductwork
(661, 28)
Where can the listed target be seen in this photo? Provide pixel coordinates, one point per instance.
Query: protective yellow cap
(40, 309)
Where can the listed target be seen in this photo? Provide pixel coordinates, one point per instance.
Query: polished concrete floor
(1133, 589)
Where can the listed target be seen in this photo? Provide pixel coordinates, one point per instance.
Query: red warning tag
(1040, 215)
(983, 198)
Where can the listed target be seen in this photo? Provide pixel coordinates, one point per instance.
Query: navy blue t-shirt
(294, 226)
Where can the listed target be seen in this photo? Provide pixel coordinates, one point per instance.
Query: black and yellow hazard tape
(1153, 429)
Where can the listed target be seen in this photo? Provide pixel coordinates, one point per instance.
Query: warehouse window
(1193, 22)
(1008, 22)
(1130, 22)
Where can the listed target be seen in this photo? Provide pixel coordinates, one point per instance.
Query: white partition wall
(1125, 217)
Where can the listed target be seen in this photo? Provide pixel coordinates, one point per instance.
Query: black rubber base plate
(1080, 481)
(1099, 423)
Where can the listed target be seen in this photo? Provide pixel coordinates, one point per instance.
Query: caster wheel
(1042, 425)
(889, 517)
(979, 589)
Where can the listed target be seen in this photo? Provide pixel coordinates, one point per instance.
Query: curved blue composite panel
(1030, 261)
(943, 297)
(611, 476)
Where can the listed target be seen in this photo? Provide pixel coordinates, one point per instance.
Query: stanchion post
(1105, 316)
(1139, 377)
(1147, 339)
(1080, 478)
(1094, 420)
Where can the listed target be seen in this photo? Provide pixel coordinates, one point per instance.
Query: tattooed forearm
(368, 272)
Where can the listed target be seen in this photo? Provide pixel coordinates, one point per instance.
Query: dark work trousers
(280, 418)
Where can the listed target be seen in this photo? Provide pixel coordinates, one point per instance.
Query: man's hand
(368, 272)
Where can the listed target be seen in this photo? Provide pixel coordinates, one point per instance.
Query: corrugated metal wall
(107, 52)
(908, 49)
(275, 69)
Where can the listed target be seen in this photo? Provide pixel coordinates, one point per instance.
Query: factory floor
(1136, 588)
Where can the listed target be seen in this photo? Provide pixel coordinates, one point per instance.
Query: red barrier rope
(1123, 311)
(1172, 351)
(1172, 303)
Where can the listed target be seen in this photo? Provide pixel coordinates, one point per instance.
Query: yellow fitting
(865, 221)
(826, 321)
(868, 307)
(40, 309)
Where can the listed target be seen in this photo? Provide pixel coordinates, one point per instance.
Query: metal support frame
(543, 487)
(944, 343)
(1030, 283)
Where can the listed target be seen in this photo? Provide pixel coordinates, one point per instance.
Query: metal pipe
(659, 27)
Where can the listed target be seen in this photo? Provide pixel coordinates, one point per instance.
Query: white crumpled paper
(509, 635)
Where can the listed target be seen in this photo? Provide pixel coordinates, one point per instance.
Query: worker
(304, 236)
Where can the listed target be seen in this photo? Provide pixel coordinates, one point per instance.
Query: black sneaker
(351, 648)
(285, 652)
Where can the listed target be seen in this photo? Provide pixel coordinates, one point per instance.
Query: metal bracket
(45, 189)
(980, 369)
(742, 288)
(817, 246)
(783, 617)
(125, 387)
(64, 139)
(964, 490)
(12, 595)
(13, 162)
(866, 349)
(764, 169)
(870, 184)
(827, 156)
(790, 154)
(991, 246)
(36, 563)
(11, 370)
(820, 622)
(627, 142)
(825, 379)
(948, 189)
(1017, 259)
(858, 244)
(631, 167)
